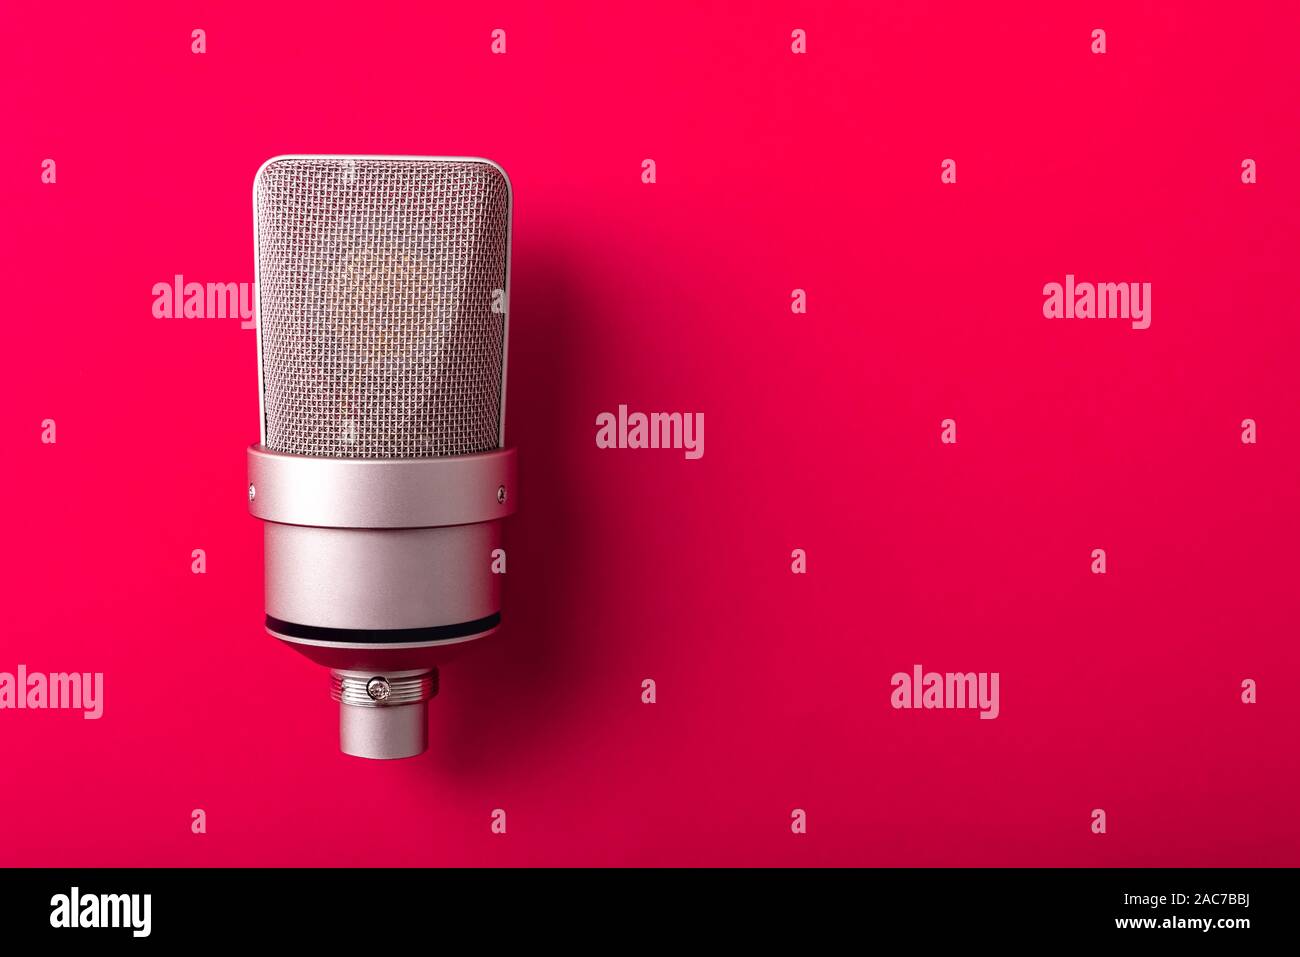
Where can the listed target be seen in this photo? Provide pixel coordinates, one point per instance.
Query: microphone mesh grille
(377, 281)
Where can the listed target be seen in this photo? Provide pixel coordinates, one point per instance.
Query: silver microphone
(381, 475)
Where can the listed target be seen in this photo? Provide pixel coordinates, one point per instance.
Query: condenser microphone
(381, 475)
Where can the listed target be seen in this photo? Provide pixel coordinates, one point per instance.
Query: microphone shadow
(497, 697)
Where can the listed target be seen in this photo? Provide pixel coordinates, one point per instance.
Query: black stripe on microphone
(382, 636)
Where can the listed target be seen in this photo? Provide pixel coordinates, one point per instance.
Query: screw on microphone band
(381, 691)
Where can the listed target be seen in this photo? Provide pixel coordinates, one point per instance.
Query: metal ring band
(349, 689)
(382, 493)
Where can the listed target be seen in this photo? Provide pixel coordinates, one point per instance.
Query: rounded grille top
(381, 305)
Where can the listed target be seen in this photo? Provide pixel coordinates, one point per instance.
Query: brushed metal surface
(384, 733)
(382, 493)
(381, 578)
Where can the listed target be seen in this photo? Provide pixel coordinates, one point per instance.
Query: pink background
(775, 172)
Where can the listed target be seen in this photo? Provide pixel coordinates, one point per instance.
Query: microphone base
(383, 716)
(382, 570)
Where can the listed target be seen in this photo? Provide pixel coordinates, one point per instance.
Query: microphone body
(380, 475)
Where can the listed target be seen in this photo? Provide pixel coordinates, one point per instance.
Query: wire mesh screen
(381, 311)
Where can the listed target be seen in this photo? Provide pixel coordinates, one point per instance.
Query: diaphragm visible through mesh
(381, 305)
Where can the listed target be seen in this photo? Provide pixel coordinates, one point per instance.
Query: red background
(775, 172)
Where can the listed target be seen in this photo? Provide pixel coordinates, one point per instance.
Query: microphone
(381, 476)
